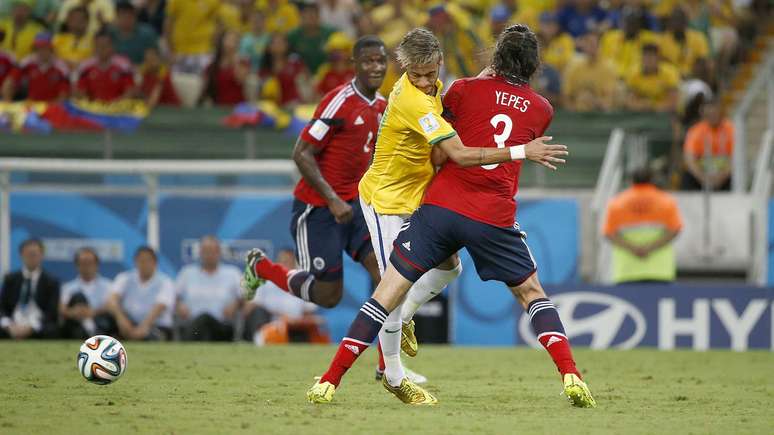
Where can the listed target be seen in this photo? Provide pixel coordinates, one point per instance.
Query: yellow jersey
(401, 169)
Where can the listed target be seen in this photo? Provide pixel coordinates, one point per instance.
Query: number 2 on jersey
(502, 137)
(367, 146)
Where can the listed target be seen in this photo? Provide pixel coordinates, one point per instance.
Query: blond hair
(419, 47)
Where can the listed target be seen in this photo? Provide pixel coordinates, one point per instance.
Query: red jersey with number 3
(488, 112)
(343, 131)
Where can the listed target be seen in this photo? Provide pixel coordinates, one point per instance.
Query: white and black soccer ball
(102, 359)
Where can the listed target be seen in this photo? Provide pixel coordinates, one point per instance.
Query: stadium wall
(482, 313)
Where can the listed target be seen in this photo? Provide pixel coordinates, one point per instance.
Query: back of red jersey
(488, 112)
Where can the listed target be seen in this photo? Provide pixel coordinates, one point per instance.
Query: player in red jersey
(41, 74)
(107, 76)
(332, 153)
(474, 208)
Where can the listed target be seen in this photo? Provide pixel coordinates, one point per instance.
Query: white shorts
(384, 229)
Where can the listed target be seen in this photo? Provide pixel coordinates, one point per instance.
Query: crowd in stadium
(204, 303)
(644, 55)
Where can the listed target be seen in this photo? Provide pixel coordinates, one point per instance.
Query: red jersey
(488, 112)
(7, 66)
(228, 90)
(44, 82)
(106, 83)
(332, 79)
(286, 78)
(344, 132)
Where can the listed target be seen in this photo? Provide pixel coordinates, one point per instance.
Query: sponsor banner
(665, 316)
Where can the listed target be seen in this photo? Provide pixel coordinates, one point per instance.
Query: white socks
(427, 287)
(389, 336)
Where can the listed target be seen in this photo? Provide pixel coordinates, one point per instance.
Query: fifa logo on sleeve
(429, 124)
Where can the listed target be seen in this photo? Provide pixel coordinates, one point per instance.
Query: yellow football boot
(408, 341)
(321, 392)
(578, 392)
(409, 392)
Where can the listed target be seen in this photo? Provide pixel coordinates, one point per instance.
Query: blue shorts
(435, 233)
(320, 240)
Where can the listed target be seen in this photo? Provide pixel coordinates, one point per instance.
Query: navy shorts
(435, 233)
(320, 240)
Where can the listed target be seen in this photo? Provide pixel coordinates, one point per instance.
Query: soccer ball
(102, 359)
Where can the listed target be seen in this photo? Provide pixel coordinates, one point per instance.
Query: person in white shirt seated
(208, 296)
(142, 300)
(275, 317)
(82, 303)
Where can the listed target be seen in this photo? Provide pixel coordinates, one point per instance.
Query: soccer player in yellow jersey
(412, 129)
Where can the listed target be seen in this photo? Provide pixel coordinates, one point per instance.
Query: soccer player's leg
(502, 254)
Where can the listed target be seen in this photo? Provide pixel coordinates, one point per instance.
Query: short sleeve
(328, 118)
(421, 116)
(234, 277)
(166, 295)
(692, 141)
(181, 282)
(610, 226)
(673, 219)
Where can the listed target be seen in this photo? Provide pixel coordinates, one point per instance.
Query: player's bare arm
(536, 150)
(303, 155)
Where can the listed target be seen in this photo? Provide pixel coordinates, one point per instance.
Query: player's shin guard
(389, 338)
(361, 333)
(430, 285)
(550, 332)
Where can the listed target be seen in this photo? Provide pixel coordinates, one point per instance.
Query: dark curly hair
(517, 54)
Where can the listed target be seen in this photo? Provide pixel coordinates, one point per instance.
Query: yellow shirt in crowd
(194, 24)
(625, 52)
(656, 88)
(71, 49)
(583, 79)
(281, 16)
(401, 168)
(684, 54)
(100, 13)
(559, 51)
(19, 43)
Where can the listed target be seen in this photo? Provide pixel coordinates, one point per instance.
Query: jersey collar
(360, 94)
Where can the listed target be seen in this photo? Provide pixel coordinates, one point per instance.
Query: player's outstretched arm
(303, 155)
(537, 150)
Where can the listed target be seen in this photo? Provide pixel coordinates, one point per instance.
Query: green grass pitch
(238, 388)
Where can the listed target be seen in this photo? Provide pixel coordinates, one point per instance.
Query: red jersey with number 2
(488, 112)
(343, 131)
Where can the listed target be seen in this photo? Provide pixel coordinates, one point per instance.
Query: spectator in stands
(281, 15)
(156, 82)
(557, 47)
(491, 28)
(338, 69)
(683, 46)
(236, 15)
(641, 223)
(723, 35)
(73, 44)
(153, 13)
(225, 76)
(653, 84)
(708, 150)
(189, 32)
(460, 44)
(308, 39)
(624, 46)
(7, 68)
(340, 14)
(101, 12)
(29, 298)
(617, 9)
(580, 16)
(253, 44)
(208, 296)
(590, 80)
(20, 29)
(142, 300)
(394, 18)
(523, 12)
(694, 92)
(107, 77)
(284, 76)
(82, 304)
(275, 317)
(41, 76)
(131, 38)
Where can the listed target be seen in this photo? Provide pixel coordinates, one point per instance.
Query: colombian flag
(268, 115)
(26, 117)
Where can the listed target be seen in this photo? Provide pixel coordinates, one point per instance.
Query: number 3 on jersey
(502, 137)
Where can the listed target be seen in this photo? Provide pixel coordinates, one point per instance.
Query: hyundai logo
(603, 326)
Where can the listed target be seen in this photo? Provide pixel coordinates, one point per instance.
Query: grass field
(186, 388)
